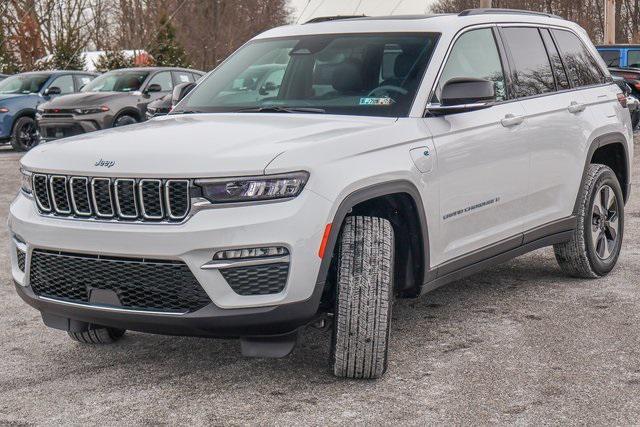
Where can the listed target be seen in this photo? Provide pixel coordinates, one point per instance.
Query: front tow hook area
(274, 346)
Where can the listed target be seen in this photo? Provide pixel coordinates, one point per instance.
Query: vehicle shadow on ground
(425, 324)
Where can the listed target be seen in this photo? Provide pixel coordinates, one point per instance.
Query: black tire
(124, 120)
(364, 297)
(97, 335)
(594, 249)
(24, 135)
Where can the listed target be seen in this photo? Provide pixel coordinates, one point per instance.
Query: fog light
(248, 253)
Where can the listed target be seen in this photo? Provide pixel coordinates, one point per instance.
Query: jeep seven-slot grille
(138, 284)
(123, 199)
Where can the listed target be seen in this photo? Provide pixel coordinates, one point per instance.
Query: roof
(444, 23)
(617, 46)
(49, 72)
(151, 69)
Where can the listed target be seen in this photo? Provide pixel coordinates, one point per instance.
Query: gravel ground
(518, 343)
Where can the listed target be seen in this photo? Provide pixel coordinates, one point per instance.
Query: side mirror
(180, 91)
(154, 88)
(267, 88)
(52, 90)
(462, 95)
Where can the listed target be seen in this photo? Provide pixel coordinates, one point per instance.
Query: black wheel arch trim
(368, 193)
(25, 112)
(127, 111)
(602, 141)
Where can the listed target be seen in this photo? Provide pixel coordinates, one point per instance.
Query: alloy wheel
(605, 226)
(28, 135)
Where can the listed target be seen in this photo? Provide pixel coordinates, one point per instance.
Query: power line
(357, 7)
(303, 11)
(396, 6)
(316, 9)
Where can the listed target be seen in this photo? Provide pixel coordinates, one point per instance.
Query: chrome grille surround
(113, 199)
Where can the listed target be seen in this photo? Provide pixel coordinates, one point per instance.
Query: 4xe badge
(105, 163)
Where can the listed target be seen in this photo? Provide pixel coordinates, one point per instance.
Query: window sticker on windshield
(184, 78)
(376, 101)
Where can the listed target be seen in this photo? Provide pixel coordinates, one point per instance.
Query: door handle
(576, 108)
(511, 120)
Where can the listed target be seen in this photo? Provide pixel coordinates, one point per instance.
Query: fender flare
(368, 193)
(601, 141)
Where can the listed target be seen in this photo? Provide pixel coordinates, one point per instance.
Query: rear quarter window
(581, 66)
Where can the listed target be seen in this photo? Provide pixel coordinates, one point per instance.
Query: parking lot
(519, 343)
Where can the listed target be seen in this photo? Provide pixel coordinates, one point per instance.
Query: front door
(483, 161)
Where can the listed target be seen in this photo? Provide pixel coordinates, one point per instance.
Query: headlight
(91, 110)
(26, 182)
(254, 188)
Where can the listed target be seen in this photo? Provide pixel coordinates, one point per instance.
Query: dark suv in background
(21, 94)
(116, 98)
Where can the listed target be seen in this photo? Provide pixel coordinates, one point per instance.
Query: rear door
(482, 158)
(558, 123)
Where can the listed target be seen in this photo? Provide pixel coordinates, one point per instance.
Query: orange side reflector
(325, 237)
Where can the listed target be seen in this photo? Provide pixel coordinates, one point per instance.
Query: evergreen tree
(67, 56)
(112, 60)
(166, 50)
(8, 61)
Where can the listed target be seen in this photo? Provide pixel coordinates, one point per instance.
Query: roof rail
(492, 11)
(333, 18)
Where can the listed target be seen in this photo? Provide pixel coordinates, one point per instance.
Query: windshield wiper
(282, 109)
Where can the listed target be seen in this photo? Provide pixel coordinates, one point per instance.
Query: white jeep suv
(323, 170)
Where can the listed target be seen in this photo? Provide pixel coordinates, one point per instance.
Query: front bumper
(51, 127)
(297, 225)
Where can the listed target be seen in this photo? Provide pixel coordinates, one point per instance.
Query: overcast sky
(304, 10)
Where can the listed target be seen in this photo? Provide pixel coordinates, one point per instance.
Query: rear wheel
(594, 249)
(97, 335)
(25, 134)
(364, 298)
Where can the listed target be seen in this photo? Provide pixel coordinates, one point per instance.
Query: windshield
(117, 81)
(30, 83)
(358, 74)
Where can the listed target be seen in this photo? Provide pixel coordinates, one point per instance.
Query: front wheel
(595, 246)
(97, 335)
(25, 134)
(124, 121)
(364, 297)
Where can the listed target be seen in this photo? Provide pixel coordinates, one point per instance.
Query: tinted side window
(532, 70)
(611, 57)
(633, 59)
(182, 77)
(581, 67)
(65, 83)
(82, 80)
(474, 55)
(164, 80)
(562, 81)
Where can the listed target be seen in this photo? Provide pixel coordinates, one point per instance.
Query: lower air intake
(257, 280)
(153, 285)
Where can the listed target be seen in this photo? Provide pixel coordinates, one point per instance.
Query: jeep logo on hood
(105, 163)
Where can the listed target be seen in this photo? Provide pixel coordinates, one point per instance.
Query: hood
(10, 96)
(84, 99)
(191, 146)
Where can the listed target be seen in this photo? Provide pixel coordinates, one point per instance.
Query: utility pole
(485, 4)
(609, 21)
